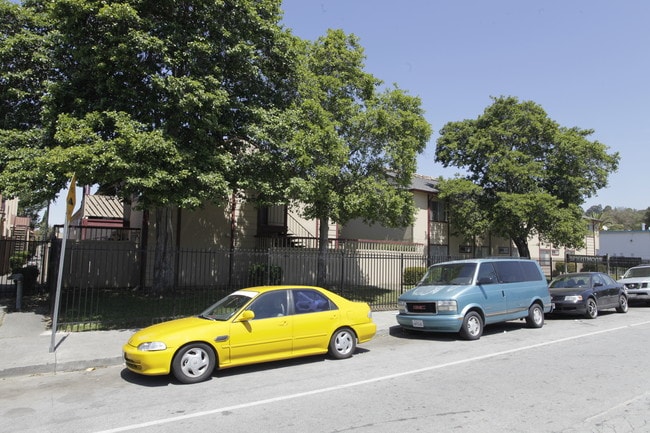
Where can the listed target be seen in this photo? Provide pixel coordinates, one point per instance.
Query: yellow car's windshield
(225, 308)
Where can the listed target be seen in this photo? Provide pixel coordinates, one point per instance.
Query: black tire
(472, 327)
(622, 304)
(343, 343)
(591, 309)
(535, 317)
(194, 363)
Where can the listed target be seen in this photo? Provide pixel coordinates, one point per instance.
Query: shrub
(18, 260)
(260, 274)
(413, 274)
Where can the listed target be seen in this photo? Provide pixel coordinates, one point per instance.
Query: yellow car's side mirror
(246, 316)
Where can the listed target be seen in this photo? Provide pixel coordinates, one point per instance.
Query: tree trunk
(163, 268)
(522, 247)
(321, 274)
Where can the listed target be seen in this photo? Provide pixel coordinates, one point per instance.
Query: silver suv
(637, 283)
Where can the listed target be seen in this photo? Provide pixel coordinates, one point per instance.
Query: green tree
(25, 70)
(349, 146)
(156, 99)
(526, 174)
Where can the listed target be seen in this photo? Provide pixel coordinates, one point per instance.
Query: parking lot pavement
(26, 344)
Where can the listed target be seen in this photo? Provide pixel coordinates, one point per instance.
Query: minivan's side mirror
(597, 284)
(486, 280)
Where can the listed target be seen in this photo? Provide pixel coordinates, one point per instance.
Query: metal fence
(105, 285)
(108, 284)
(28, 259)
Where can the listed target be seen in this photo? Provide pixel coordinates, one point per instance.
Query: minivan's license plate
(418, 323)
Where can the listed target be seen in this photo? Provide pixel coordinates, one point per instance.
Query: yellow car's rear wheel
(343, 343)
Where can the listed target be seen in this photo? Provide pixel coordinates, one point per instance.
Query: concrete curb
(58, 367)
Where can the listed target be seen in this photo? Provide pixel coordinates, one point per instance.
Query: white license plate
(418, 323)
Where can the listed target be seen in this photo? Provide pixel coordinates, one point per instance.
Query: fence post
(342, 273)
(268, 267)
(401, 276)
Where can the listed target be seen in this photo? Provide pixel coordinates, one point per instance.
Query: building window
(437, 211)
(465, 249)
(504, 251)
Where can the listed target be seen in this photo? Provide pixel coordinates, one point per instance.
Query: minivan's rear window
(517, 271)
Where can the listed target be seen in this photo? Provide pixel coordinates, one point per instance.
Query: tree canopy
(154, 97)
(175, 104)
(349, 145)
(525, 174)
(619, 218)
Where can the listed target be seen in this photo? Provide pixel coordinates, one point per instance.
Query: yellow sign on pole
(72, 197)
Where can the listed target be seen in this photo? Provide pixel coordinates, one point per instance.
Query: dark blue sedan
(586, 293)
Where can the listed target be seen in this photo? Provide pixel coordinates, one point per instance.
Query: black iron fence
(107, 286)
(24, 260)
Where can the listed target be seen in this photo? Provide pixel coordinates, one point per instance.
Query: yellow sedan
(252, 325)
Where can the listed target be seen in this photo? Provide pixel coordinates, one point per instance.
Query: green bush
(563, 268)
(260, 274)
(18, 260)
(413, 274)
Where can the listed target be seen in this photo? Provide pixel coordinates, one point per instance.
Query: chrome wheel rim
(592, 309)
(343, 343)
(473, 326)
(195, 362)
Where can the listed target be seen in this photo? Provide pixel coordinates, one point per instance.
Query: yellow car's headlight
(152, 346)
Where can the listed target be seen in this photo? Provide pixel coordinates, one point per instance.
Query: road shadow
(497, 328)
(577, 316)
(167, 380)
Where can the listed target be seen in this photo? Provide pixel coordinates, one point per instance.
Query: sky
(585, 62)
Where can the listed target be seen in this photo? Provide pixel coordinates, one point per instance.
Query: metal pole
(57, 295)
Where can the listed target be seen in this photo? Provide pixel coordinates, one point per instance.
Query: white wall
(625, 243)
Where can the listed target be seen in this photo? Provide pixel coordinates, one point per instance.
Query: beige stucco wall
(417, 233)
(10, 212)
(208, 227)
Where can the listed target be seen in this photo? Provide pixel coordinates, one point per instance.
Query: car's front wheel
(535, 317)
(592, 309)
(194, 363)
(343, 343)
(622, 304)
(472, 327)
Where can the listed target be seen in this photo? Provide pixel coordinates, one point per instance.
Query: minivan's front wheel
(472, 328)
(535, 317)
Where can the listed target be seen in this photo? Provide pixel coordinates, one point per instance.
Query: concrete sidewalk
(25, 343)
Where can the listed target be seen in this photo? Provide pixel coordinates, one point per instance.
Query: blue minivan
(465, 295)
